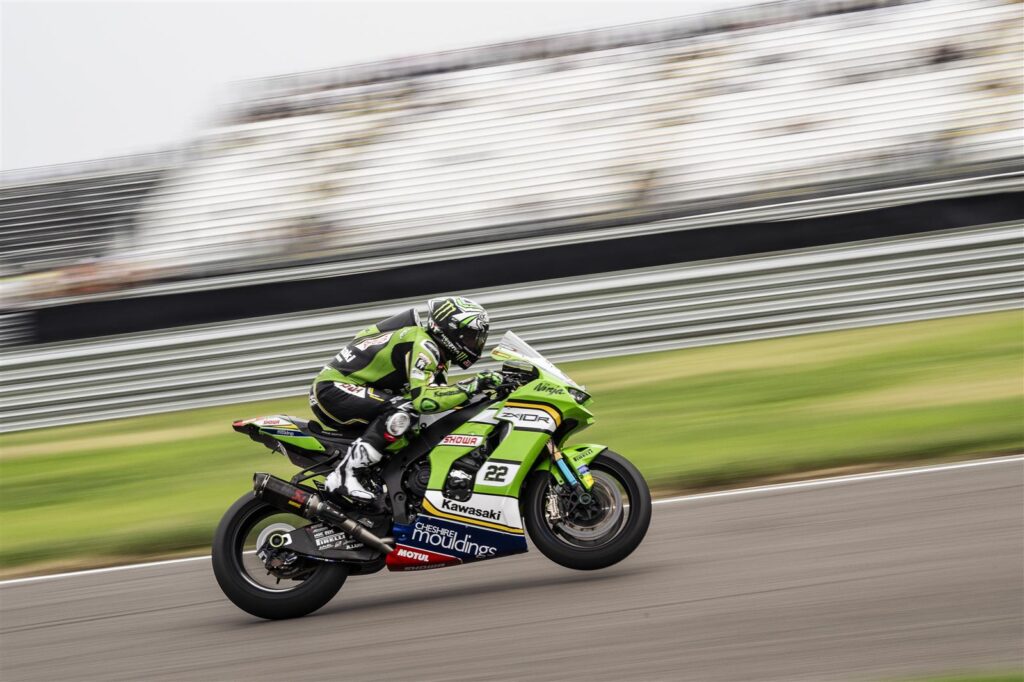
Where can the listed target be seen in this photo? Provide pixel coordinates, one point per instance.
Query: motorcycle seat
(335, 438)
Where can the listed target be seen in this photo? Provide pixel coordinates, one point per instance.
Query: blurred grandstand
(749, 107)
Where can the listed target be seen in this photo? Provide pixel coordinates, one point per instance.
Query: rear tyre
(599, 536)
(243, 579)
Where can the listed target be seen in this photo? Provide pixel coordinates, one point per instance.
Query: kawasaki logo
(492, 514)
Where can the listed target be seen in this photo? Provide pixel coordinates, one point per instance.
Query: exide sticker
(461, 440)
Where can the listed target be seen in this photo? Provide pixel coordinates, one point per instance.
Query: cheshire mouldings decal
(430, 542)
(496, 512)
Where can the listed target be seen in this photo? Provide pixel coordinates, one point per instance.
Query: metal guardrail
(867, 283)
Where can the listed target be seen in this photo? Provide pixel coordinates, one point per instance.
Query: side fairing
(448, 531)
(488, 523)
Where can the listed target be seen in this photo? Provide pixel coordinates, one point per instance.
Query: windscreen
(511, 347)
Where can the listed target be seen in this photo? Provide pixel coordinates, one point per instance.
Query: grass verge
(979, 677)
(694, 418)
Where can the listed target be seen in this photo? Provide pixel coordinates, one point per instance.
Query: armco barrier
(933, 275)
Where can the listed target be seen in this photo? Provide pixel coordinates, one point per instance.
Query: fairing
(488, 524)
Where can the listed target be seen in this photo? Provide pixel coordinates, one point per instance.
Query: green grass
(980, 677)
(690, 418)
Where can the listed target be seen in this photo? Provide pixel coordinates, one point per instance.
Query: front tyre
(247, 583)
(588, 537)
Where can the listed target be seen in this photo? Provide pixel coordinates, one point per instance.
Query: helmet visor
(472, 342)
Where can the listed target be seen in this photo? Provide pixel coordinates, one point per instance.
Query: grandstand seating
(69, 219)
(754, 112)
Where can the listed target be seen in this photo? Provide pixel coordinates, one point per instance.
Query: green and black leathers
(395, 357)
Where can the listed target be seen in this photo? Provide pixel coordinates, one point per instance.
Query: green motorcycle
(468, 485)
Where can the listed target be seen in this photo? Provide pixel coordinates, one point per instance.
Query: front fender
(578, 456)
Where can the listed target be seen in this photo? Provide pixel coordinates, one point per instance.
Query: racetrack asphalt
(872, 579)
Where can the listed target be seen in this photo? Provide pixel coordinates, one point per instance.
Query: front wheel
(288, 591)
(595, 535)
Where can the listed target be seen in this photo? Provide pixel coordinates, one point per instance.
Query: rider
(392, 367)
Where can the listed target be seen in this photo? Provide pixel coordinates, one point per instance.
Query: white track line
(839, 480)
(811, 483)
(94, 571)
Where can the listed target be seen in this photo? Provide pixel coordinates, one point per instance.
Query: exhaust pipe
(290, 498)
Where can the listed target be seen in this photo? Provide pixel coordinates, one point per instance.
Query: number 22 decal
(495, 473)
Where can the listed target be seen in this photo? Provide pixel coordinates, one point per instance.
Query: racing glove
(481, 383)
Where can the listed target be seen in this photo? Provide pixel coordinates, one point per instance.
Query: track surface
(865, 580)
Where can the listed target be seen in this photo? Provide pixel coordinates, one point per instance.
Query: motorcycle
(467, 485)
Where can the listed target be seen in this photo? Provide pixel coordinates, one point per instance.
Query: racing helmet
(459, 328)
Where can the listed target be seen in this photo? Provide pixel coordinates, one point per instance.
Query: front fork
(573, 498)
(572, 473)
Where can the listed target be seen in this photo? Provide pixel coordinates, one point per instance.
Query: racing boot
(343, 480)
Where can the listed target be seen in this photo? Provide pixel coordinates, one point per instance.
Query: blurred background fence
(778, 139)
(872, 282)
(733, 108)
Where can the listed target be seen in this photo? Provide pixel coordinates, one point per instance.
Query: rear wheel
(289, 590)
(588, 536)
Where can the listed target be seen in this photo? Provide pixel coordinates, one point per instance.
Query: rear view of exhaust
(290, 498)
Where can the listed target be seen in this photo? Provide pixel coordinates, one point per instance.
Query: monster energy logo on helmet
(459, 326)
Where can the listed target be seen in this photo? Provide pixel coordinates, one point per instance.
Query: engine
(416, 479)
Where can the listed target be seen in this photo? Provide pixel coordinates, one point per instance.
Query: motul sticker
(406, 558)
(462, 441)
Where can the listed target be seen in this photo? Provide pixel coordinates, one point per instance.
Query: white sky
(85, 80)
